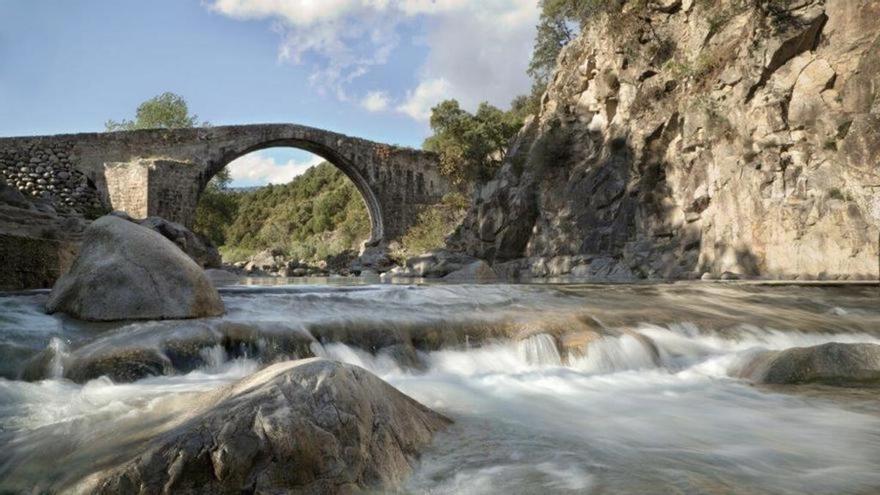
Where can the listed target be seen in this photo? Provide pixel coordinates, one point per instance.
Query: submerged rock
(127, 272)
(833, 363)
(309, 426)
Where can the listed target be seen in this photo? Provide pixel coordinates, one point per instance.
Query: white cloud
(428, 93)
(257, 168)
(482, 49)
(376, 101)
(479, 48)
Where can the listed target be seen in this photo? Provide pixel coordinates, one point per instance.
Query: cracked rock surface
(308, 426)
(690, 139)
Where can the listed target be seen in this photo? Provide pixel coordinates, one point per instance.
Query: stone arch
(369, 197)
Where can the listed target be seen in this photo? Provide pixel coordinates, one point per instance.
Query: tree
(558, 25)
(555, 30)
(166, 111)
(471, 146)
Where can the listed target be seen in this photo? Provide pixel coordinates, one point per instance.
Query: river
(653, 405)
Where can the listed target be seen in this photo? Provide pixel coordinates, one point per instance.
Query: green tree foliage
(557, 26)
(166, 111)
(471, 146)
(433, 225)
(217, 208)
(316, 215)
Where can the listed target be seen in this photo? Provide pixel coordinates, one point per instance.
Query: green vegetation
(471, 146)
(216, 209)
(166, 111)
(433, 225)
(314, 216)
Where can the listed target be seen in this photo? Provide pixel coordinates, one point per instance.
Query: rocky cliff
(694, 138)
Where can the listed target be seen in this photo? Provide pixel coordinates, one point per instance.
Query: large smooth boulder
(308, 426)
(833, 363)
(128, 272)
(196, 246)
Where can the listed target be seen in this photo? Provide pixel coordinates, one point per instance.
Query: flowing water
(553, 388)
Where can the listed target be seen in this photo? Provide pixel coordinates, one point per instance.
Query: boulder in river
(198, 247)
(128, 272)
(308, 426)
(833, 363)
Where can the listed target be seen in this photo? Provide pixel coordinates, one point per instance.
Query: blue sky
(369, 68)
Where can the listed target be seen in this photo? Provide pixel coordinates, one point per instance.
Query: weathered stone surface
(162, 172)
(477, 271)
(125, 271)
(37, 244)
(709, 138)
(831, 363)
(310, 426)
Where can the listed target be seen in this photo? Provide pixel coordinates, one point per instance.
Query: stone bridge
(162, 172)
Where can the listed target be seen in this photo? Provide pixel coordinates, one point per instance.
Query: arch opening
(290, 197)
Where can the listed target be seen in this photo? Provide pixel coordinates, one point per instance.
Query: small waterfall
(612, 354)
(214, 356)
(541, 350)
(59, 351)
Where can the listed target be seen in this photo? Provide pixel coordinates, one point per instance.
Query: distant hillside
(316, 215)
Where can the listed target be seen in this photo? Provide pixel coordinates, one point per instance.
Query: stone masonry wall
(46, 170)
(173, 190)
(127, 187)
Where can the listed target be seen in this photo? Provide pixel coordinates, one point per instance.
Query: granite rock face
(128, 272)
(309, 426)
(832, 363)
(698, 138)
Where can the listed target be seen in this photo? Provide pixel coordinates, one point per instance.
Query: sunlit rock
(310, 426)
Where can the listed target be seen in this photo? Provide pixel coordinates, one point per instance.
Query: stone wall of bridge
(45, 168)
(162, 172)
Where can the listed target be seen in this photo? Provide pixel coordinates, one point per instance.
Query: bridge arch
(163, 172)
(361, 183)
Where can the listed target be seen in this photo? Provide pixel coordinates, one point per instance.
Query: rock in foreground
(831, 363)
(309, 426)
(128, 272)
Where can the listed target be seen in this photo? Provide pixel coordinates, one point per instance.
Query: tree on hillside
(557, 26)
(559, 23)
(166, 111)
(217, 208)
(471, 146)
